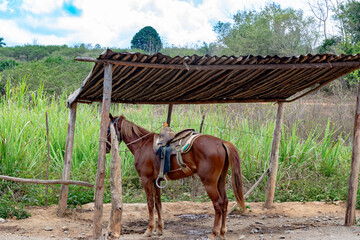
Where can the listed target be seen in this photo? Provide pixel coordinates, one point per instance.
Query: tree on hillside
(271, 31)
(2, 42)
(147, 39)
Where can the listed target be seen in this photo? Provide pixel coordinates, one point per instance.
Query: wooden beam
(168, 120)
(355, 163)
(99, 189)
(64, 190)
(270, 190)
(114, 229)
(355, 64)
(257, 100)
(46, 182)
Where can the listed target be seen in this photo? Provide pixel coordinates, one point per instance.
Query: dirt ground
(189, 220)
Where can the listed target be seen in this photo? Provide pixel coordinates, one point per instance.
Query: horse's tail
(236, 177)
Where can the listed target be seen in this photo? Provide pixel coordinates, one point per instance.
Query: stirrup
(159, 185)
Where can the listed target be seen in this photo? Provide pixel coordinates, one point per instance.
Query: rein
(118, 133)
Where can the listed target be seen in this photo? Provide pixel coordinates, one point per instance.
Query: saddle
(169, 143)
(167, 137)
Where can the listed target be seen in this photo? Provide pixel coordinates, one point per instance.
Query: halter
(118, 134)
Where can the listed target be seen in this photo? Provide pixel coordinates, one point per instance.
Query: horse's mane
(129, 129)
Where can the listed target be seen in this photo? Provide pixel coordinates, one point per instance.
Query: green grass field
(314, 158)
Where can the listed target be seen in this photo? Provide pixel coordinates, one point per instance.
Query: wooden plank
(168, 120)
(64, 190)
(270, 190)
(46, 182)
(114, 229)
(355, 64)
(355, 163)
(99, 188)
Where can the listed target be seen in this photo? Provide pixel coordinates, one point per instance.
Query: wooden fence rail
(46, 182)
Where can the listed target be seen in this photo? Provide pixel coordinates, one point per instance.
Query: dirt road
(189, 220)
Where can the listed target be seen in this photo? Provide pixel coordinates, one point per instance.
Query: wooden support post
(48, 158)
(168, 120)
(114, 228)
(99, 188)
(270, 190)
(355, 163)
(64, 190)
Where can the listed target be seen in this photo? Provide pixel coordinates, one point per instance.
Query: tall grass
(319, 151)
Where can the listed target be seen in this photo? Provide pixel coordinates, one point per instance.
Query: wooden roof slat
(159, 79)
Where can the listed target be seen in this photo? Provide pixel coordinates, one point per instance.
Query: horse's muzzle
(107, 150)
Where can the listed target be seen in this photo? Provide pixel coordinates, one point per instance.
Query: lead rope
(127, 144)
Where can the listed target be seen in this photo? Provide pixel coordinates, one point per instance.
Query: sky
(113, 23)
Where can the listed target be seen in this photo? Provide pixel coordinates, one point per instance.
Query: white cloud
(179, 22)
(113, 23)
(41, 6)
(3, 5)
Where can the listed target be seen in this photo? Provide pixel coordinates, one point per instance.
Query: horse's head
(117, 124)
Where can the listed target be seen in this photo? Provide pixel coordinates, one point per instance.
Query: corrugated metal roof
(160, 79)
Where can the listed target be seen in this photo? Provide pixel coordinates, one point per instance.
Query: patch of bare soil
(189, 220)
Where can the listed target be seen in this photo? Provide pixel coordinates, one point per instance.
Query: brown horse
(209, 158)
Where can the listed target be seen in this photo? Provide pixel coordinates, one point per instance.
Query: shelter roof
(160, 79)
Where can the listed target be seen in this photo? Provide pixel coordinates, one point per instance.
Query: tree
(147, 39)
(329, 45)
(320, 9)
(349, 14)
(2, 42)
(271, 31)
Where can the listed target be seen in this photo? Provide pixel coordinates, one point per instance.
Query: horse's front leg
(149, 191)
(158, 206)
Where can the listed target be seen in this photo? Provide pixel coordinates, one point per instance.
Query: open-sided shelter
(158, 79)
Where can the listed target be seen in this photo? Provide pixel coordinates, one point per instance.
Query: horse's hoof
(159, 232)
(211, 237)
(147, 234)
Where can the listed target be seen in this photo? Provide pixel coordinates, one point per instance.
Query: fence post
(270, 190)
(99, 188)
(64, 190)
(354, 174)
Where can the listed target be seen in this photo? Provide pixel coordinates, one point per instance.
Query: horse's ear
(122, 117)
(111, 117)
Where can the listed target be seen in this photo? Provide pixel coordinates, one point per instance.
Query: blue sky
(113, 23)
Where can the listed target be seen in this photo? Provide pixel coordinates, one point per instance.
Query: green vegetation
(309, 160)
(147, 39)
(12, 209)
(315, 147)
(271, 31)
(2, 42)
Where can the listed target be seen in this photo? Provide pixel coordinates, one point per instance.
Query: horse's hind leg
(222, 191)
(149, 190)
(213, 193)
(160, 227)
